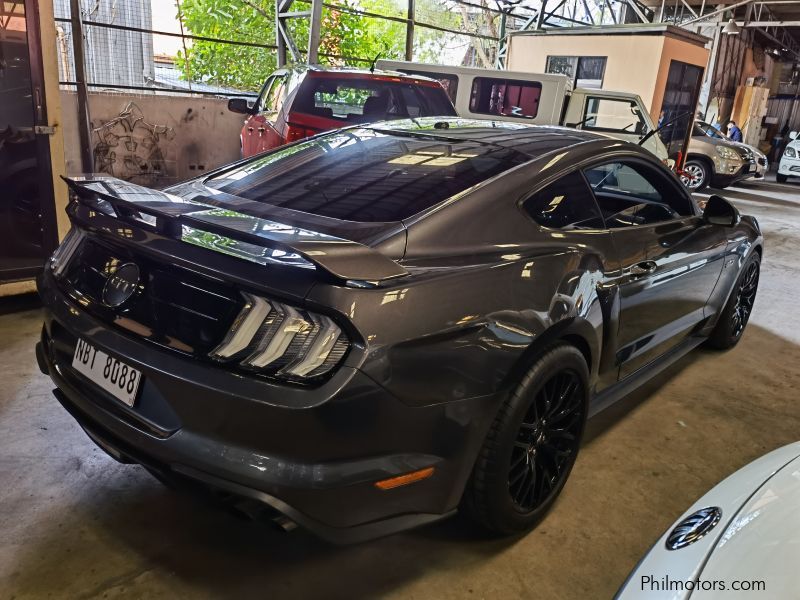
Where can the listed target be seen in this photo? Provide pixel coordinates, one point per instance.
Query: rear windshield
(350, 100)
(366, 175)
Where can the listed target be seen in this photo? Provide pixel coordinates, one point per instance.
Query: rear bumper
(124, 453)
(316, 462)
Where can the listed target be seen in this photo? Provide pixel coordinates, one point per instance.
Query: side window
(585, 71)
(613, 115)
(505, 97)
(262, 95)
(632, 193)
(273, 95)
(565, 204)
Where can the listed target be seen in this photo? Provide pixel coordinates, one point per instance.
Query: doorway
(28, 232)
(678, 107)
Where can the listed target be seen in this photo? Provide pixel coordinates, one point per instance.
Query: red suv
(300, 101)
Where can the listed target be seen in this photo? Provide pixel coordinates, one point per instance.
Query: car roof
(530, 140)
(303, 69)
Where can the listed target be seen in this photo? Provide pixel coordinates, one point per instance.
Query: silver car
(750, 153)
(713, 161)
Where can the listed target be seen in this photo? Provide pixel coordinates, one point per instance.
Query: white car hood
(758, 536)
(763, 541)
(794, 144)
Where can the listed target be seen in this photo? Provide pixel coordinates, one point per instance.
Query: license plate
(752, 169)
(111, 374)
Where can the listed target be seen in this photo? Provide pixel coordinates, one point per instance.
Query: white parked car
(740, 540)
(790, 160)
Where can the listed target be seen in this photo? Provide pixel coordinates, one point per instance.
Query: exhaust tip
(285, 523)
(252, 510)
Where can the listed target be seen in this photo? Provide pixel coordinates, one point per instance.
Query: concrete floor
(75, 524)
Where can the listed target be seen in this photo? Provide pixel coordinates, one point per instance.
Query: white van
(539, 98)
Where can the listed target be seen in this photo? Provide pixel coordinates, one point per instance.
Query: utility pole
(84, 123)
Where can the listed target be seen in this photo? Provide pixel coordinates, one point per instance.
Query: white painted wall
(153, 140)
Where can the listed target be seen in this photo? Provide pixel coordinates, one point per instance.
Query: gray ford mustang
(370, 329)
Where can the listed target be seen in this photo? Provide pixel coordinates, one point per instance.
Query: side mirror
(240, 105)
(792, 135)
(719, 211)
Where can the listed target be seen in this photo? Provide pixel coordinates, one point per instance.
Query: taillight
(296, 132)
(283, 341)
(64, 252)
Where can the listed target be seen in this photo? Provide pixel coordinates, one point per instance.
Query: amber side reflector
(393, 482)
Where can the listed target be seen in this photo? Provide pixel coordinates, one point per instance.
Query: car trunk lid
(243, 229)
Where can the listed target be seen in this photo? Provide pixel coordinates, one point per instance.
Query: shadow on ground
(79, 525)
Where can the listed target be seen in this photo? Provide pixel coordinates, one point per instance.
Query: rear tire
(733, 320)
(781, 178)
(697, 174)
(532, 444)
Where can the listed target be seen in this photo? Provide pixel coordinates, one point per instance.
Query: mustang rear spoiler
(232, 232)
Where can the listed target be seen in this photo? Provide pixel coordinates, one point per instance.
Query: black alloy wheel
(736, 313)
(547, 440)
(745, 298)
(531, 445)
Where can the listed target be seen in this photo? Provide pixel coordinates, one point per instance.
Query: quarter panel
(445, 336)
(741, 240)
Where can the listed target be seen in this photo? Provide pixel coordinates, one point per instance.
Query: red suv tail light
(297, 132)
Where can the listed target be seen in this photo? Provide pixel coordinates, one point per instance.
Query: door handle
(646, 267)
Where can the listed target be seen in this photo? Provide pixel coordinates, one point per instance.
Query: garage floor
(74, 523)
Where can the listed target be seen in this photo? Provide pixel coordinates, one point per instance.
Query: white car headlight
(727, 153)
(790, 153)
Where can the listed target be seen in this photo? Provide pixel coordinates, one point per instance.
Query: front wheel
(532, 444)
(730, 327)
(695, 175)
(781, 178)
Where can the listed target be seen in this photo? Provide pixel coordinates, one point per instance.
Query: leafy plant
(347, 39)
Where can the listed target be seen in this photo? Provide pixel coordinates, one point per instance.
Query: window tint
(630, 193)
(366, 175)
(565, 204)
(505, 97)
(449, 82)
(413, 102)
(344, 100)
(353, 100)
(608, 114)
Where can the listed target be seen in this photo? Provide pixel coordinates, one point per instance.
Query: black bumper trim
(336, 535)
